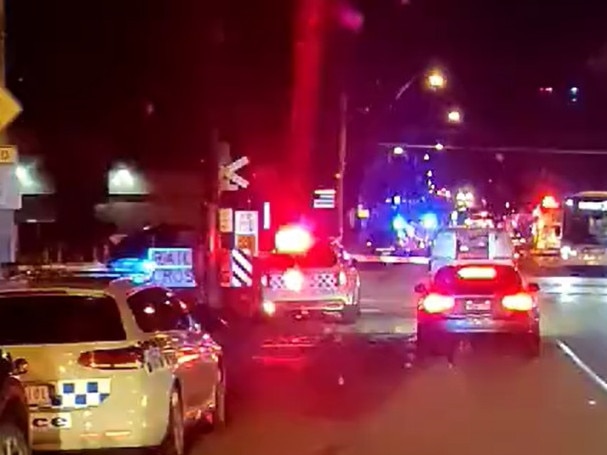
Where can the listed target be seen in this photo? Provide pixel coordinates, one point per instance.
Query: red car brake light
(518, 302)
(294, 280)
(130, 358)
(436, 303)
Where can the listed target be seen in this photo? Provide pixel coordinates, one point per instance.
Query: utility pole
(213, 241)
(8, 229)
(342, 151)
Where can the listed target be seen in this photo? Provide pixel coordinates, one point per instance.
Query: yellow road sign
(10, 108)
(8, 154)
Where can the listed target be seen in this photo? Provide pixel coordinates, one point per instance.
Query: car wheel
(423, 344)
(532, 345)
(350, 314)
(13, 441)
(219, 418)
(174, 440)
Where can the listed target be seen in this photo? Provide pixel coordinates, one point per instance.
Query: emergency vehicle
(475, 288)
(109, 361)
(547, 226)
(307, 276)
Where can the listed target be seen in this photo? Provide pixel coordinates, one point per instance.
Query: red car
(477, 298)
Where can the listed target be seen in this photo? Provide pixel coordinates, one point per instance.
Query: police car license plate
(38, 395)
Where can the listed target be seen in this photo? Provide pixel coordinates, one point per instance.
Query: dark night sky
(131, 78)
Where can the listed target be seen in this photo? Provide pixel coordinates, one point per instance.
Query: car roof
(85, 286)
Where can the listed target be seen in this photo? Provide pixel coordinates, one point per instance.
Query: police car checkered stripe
(242, 270)
(82, 393)
(322, 281)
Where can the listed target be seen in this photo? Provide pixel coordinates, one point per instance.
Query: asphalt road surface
(322, 389)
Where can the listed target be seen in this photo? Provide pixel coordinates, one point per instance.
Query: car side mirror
(420, 288)
(20, 366)
(533, 287)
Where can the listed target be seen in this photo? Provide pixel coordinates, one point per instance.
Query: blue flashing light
(399, 223)
(429, 221)
(138, 270)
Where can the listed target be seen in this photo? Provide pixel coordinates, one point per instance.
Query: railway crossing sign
(230, 180)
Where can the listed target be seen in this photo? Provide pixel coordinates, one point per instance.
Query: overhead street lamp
(454, 116)
(436, 80)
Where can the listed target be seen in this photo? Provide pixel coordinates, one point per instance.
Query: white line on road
(367, 300)
(370, 310)
(582, 365)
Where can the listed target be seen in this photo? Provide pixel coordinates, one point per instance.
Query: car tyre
(350, 314)
(219, 417)
(532, 346)
(13, 441)
(425, 346)
(174, 440)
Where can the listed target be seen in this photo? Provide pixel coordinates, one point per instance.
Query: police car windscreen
(318, 256)
(58, 319)
(448, 281)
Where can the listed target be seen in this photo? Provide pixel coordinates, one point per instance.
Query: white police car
(110, 364)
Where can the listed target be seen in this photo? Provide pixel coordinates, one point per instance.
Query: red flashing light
(550, 202)
(518, 302)
(436, 303)
(293, 239)
(477, 273)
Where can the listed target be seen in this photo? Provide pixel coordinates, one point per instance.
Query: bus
(584, 229)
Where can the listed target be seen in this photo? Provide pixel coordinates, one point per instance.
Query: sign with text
(8, 154)
(226, 220)
(246, 222)
(174, 267)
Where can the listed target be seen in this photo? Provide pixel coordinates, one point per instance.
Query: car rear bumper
(328, 304)
(515, 325)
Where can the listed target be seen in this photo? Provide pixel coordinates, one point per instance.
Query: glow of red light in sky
(309, 36)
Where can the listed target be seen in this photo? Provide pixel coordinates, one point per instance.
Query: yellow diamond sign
(10, 108)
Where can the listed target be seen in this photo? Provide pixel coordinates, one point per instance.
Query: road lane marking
(582, 365)
(370, 310)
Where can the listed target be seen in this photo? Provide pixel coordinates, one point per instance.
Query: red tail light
(130, 358)
(294, 280)
(518, 302)
(436, 303)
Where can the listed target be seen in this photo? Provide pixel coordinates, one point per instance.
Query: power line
(497, 149)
